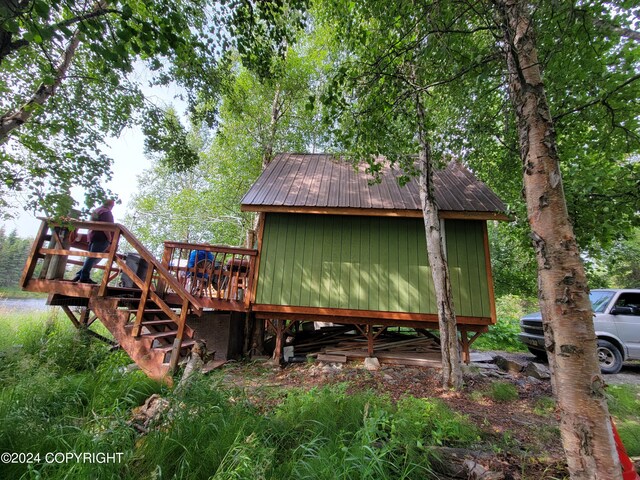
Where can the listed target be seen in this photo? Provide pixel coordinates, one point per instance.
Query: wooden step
(113, 289)
(146, 310)
(168, 348)
(157, 335)
(158, 322)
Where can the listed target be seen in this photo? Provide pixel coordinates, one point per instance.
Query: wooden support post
(84, 316)
(466, 357)
(369, 332)
(277, 351)
(113, 250)
(470, 342)
(177, 343)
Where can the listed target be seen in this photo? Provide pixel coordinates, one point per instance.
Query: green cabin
(335, 247)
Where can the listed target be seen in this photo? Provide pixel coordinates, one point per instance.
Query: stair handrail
(166, 276)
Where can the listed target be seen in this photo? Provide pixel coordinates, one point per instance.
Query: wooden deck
(145, 304)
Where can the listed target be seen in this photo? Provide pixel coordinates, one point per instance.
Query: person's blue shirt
(197, 256)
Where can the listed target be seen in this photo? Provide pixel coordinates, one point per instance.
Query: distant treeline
(13, 255)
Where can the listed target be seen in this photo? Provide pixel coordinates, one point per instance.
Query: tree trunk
(12, 120)
(563, 292)
(267, 155)
(451, 371)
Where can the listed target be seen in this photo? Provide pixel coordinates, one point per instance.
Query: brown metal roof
(319, 182)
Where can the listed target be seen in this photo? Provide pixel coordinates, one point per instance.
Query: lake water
(24, 304)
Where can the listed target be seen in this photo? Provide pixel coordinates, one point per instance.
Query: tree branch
(12, 120)
(7, 46)
(622, 31)
(602, 100)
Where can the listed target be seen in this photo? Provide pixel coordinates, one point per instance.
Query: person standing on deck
(99, 241)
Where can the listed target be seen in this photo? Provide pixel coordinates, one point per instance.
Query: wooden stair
(152, 348)
(153, 331)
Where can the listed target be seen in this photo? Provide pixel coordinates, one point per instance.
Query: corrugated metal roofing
(325, 181)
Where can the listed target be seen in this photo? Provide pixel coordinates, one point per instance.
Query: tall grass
(62, 391)
(624, 405)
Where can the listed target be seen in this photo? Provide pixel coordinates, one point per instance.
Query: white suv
(616, 321)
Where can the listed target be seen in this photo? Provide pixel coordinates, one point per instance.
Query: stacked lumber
(343, 343)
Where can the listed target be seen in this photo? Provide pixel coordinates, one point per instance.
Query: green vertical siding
(367, 263)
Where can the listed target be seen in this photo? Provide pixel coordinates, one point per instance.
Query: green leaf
(42, 8)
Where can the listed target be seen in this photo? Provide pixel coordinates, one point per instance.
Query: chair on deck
(235, 279)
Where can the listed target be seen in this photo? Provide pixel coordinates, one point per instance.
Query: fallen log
(463, 464)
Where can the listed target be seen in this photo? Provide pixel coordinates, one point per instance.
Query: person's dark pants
(97, 247)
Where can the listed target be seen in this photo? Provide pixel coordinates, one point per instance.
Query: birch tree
(563, 290)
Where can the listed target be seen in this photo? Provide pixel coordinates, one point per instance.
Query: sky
(129, 162)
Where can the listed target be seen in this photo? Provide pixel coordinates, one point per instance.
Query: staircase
(149, 320)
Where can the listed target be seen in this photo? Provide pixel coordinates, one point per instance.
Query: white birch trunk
(563, 292)
(449, 345)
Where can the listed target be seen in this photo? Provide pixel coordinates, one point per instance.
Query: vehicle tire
(539, 354)
(609, 357)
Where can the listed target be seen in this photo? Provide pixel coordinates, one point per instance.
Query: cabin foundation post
(369, 333)
(466, 344)
(279, 328)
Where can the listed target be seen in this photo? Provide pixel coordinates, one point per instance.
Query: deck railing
(218, 275)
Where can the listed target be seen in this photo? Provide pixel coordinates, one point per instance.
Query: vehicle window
(629, 300)
(600, 300)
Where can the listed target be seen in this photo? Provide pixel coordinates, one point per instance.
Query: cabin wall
(367, 263)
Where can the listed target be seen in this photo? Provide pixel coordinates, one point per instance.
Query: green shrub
(431, 422)
(502, 392)
(504, 334)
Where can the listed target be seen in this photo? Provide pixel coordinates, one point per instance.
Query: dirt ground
(522, 435)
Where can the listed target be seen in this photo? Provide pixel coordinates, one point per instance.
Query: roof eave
(373, 212)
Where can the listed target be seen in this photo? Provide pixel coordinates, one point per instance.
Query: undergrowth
(63, 391)
(504, 334)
